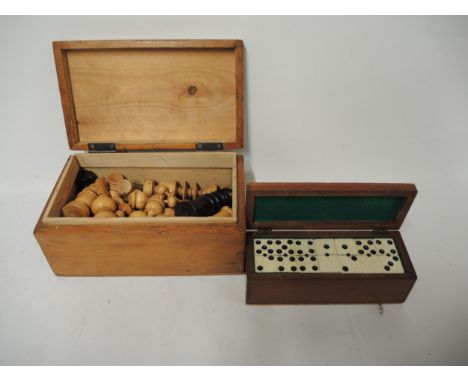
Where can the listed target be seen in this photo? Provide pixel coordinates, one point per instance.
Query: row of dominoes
(327, 255)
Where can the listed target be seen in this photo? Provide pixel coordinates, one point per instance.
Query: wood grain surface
(152, 94)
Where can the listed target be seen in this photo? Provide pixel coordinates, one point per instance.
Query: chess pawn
(103, 202)
(160, 189)
(148, 187)
(169, 212)
(75, 209)
(141, 200)
(138, 214)
(86, 197)
(104, 214)
(137, 199)
(194, 191)
(171, 201)
(115, 195)
(119, 214)
(154, 208)
(125, 208)
(124, 187)
(209, 189)
(171, 187)
(101, 186)
(183, 191)
(159, 197)
(113, 179)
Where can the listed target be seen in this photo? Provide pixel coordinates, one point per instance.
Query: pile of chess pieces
(116, 196)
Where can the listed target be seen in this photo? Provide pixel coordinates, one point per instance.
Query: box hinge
(102, 148)
(265, 230)
(209, 146)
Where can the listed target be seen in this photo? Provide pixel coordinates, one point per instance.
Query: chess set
(156, 119)
(116, 196)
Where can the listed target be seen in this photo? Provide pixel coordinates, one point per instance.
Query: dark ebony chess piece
(84, 179)
(205, 205)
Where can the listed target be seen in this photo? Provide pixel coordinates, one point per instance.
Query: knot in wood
(192, 89)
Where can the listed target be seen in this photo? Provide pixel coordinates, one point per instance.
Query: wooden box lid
(328, 205)
(151, 94)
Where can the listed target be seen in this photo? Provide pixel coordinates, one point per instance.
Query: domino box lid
(328, 205)
(151, 94)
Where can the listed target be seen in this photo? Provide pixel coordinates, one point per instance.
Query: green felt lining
(327, 208)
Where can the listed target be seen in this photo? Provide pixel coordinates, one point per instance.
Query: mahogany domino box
(323, 243)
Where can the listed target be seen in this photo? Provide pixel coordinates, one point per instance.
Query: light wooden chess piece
(113, 179)
(92, 188)
(171, 201)
(116, 196)
(169, 212)
(183, 191)
(148, 187)
(194, 191)
(171, 187)
(103, 202)
(124, 187)
(125, 208)
(101, 186)
(160, 189)
(138, 214)
(75, 209)
(86, 197)
(104, 214)
(137, 199)
(154, 208)
(160, 197)
(119, 213)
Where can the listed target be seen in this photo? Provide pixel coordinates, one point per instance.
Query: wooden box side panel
(143, 253)
(329, 291)
(146, 250)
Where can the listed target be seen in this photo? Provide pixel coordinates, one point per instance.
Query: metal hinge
(209, 146)
(265, 230)
(102, 148)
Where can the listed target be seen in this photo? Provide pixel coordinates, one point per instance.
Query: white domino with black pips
(326, 255)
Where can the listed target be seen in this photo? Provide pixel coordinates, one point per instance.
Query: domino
(327, 255)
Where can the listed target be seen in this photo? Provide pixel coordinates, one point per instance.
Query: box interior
(202, 168)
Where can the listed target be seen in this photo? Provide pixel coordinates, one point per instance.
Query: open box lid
(328, 205)
(152, 94)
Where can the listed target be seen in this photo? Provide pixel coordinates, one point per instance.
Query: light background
(357, 99)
